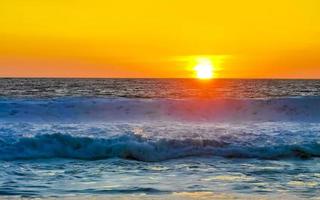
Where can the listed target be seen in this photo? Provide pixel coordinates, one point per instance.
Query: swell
(143, 149)
(122, 109)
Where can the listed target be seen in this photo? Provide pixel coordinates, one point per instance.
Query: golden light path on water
(183, 196)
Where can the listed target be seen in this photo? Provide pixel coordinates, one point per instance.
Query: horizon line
(58, 77)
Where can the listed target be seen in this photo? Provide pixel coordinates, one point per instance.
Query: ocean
(159, 139)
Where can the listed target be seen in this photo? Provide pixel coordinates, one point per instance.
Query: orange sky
(159, 38)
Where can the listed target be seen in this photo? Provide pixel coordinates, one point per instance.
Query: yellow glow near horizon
(204, 69)
(204, 66)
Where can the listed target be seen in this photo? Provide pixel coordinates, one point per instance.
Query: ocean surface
(159, 139)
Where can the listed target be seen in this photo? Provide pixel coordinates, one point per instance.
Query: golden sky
(159, 38)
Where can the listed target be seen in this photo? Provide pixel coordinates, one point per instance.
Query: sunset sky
(159, 38)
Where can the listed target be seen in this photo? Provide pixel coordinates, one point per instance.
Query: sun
(204, 69)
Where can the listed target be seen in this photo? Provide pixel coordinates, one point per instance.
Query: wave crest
(142, 149)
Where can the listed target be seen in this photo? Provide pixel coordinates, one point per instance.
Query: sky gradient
(160, 38)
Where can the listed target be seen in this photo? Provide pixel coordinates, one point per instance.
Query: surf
(137, 147)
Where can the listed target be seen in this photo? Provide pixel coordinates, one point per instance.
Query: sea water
(159, 138)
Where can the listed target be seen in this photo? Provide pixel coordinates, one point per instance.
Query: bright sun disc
(204, 69)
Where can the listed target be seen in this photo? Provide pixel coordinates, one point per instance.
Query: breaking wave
(69, 143)
(143, 149)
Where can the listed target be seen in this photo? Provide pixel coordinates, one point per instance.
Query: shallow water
(61, 143)
(242, 177)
